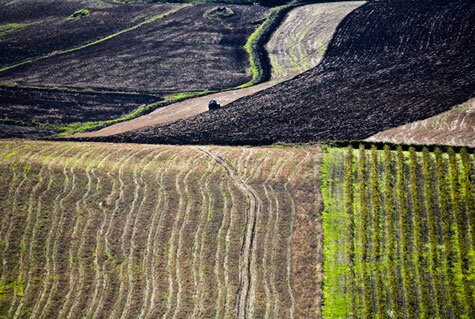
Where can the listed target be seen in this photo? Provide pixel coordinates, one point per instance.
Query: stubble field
(92, 230)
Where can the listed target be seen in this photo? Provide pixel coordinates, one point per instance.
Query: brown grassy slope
(145, 231)
(454, 127)
(181, 52)
(389, 63)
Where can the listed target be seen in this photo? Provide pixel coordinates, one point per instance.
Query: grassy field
(399, 233)
(96, 230)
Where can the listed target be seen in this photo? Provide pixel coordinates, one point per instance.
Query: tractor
(214, 105)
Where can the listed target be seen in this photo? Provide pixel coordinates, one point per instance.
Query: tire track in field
(227, 304)
(244, 304)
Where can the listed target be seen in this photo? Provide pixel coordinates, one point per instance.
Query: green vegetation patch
(79, 14)
(218, 13)
(399, 233)
(10, 28)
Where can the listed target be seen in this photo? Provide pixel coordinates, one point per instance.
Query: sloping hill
(304, 31)
(181, 50)
(390, 63)
(140, 231)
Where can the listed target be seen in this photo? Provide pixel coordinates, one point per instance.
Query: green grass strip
(252, 45)
(337, 301)
(8, 28)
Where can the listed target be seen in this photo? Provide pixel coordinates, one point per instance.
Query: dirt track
(176, 111)
(284, 55)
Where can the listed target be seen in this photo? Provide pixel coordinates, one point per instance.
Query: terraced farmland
(399, 233)
(93, 230)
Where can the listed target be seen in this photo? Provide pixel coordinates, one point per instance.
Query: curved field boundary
(454, 127)
(92, 230)
(398, 233)
(300, 42)
(280, 54)
(138, 25)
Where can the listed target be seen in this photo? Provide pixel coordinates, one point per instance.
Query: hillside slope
(389, 63)
(288, 49)
(97, 231)
(182, 50)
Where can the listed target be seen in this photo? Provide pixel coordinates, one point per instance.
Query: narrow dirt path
(176, 111)
(245, 288)
(320, 21)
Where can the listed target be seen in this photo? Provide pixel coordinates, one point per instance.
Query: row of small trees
(410, 233)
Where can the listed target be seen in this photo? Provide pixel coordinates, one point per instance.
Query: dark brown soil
(390, 63)
(30, 105)
(18, 131)
(48, 29)
(181, 52)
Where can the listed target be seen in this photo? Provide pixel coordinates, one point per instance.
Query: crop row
(406, 220)
(145, 232)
